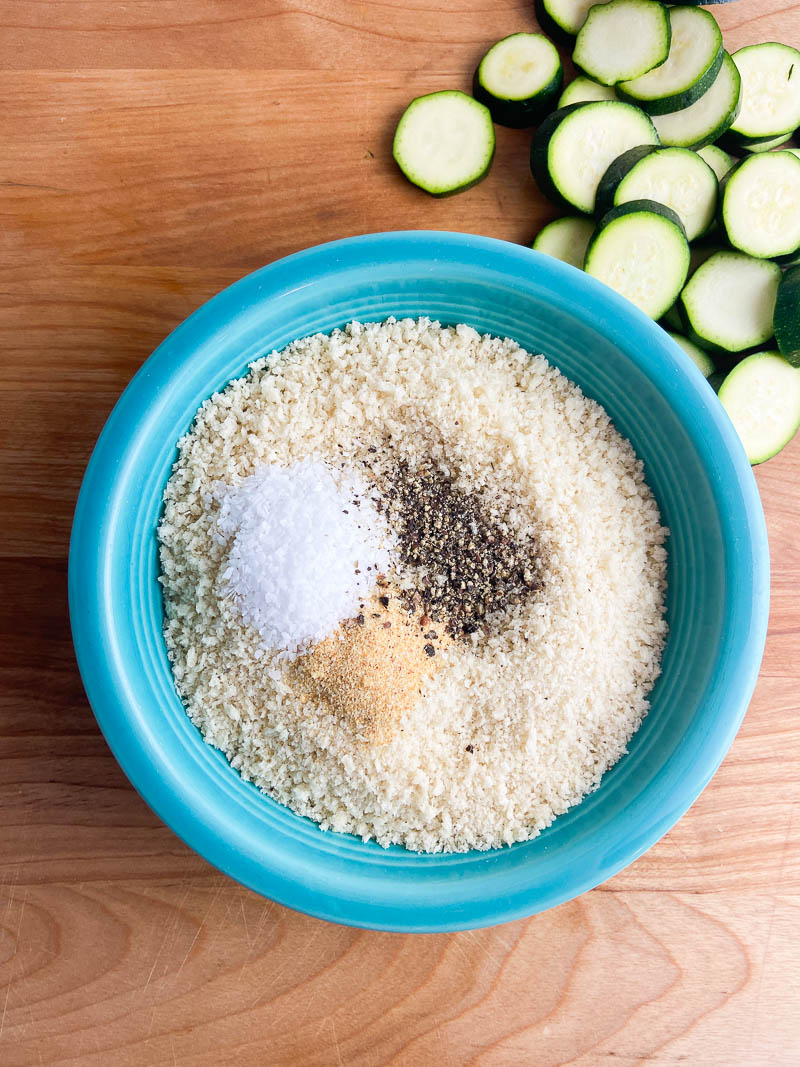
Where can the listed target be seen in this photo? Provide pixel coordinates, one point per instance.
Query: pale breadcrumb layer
(510, 732)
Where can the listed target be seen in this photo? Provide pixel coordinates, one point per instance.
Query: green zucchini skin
(734, 144)
(786, 320)
(634, 206)
(518, 114)
(616, 172)
(538, 157)
(548, 25)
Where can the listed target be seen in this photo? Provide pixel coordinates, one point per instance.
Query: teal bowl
(717, 600)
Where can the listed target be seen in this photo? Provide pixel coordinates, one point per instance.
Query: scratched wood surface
(150, 153)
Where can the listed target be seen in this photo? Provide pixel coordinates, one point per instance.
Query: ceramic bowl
(717, 600)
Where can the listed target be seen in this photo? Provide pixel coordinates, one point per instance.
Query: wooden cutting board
(150, 153)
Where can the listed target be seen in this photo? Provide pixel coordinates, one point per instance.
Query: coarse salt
(306, 546)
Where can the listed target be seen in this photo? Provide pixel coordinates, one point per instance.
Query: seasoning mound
(371, 672)
(305, 549)
(519, 718)
(468, 564)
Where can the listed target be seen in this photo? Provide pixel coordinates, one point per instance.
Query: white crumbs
(305, 549)
(522, 717)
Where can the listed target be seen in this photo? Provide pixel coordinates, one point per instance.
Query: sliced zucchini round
(760, 206)
(444, 142)
(561, 19)
(704, 121)
(573, 147)
(757, 147)
(787, 316)
(728, 302)
(676, 177)
(582, 89)
(695, 56)
(622, 40)
(762, 398)
(519, 79)
(640, 250)
(565, 239)
(701, 359)
(770, 90)
(718, 159)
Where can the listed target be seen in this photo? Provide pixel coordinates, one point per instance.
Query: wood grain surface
(151, 152)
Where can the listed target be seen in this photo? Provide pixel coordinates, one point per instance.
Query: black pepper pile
(469, 565)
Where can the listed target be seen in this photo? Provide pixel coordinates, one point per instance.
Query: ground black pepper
(470, 566)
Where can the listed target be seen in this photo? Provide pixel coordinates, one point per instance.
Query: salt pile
(306, 546)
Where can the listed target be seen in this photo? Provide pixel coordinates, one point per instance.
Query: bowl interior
(717, 599)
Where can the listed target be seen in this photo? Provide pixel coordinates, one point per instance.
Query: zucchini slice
(622, 40)
(718, 159)
(581, 90)
(676, 177)
(704, 121)
(519, 79)
(787, 316)
(729, 302)
(762, 398)
(565, 239)
(760, 206)
(695, 56)
(756, 147)
(770, 90)
(561, 19)
(701, 359)
(640, 250)
(444, 142)
(573, 147)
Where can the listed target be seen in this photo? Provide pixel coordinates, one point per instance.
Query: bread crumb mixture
(538, 675)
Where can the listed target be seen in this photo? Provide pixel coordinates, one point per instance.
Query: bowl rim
(103, 673)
